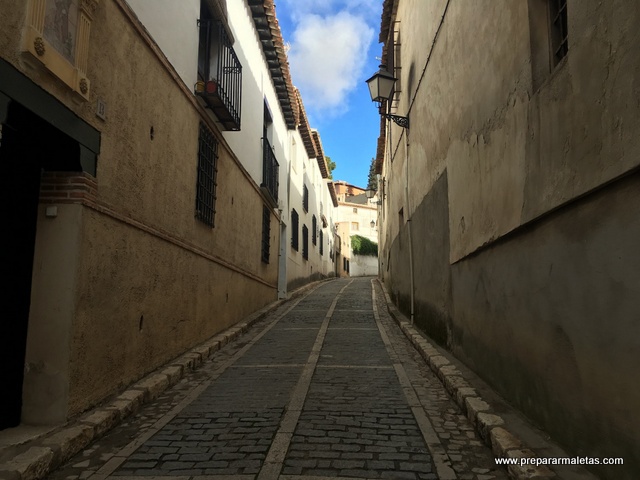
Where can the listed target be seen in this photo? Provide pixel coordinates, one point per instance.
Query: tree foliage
(331, 165)
(363, 246)
(373, 178)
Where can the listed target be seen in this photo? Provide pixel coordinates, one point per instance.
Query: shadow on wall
(432, 272)
(546, 315)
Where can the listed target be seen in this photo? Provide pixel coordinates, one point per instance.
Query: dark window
(207, 171)
(270, 166)
(559, 35)
(314, 230)
(266, 232)
(321, 244)
(219, 71)
(294, 229)
(305, 242)
(305, 198)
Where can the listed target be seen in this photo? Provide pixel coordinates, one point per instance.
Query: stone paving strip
(275, 457)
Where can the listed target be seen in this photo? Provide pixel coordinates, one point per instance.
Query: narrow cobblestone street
(324, 386)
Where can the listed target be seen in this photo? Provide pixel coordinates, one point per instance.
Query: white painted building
(260, 114)
(356, 215)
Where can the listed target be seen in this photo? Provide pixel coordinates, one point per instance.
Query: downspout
(406, 193)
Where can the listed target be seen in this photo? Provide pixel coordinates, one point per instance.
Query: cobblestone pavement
(324, 387)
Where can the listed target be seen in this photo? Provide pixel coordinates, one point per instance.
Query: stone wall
(520, 196)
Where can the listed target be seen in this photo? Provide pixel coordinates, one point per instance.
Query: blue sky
(333, 45)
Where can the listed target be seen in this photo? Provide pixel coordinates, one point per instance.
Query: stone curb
(489, 426)
(43, 455)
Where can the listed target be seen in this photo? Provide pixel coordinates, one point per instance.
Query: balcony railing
(270, 169)
(220, 84)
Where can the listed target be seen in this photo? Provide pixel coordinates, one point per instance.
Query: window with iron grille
(294, 229)
(266, 232)
(314, 230)
(559, 35)
(321, 244)
(219, 70)
(305, 242)
(207, 172)
(305, 198)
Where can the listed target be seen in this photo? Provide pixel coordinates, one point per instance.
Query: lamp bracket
(402, 121)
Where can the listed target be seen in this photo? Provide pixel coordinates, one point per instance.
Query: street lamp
(380, 87)
(370, 193)
(373, 224)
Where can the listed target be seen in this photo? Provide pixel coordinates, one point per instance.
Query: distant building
(516, 192)
(357, 215)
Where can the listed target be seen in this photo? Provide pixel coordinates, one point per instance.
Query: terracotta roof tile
(270, 35)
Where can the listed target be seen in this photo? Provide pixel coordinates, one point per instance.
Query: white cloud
(327, 57)
(298, 9)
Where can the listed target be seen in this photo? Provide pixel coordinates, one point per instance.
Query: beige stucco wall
(53, 301)
(144, 302)
(144, 280)
(181, 296)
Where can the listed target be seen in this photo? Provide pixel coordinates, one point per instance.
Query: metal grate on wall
(294, 229)
(559, 27)
(305, 242)
(266, 232)
(305, 198)
(207, 174)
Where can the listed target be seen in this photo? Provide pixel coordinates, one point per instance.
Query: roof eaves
(332, 193)
(264, 17)
(322, 162)
(304, 128)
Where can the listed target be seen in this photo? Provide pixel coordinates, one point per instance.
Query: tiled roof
(304, 128)
(332, 192)
(270, 35)
(388, 9)
(322, 162)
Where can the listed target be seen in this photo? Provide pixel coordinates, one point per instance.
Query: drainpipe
(406, 193)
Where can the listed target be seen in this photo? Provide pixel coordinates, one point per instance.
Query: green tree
(331, 165)
(373, 178)
(363, 246)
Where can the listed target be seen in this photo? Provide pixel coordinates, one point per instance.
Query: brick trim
(68, 187)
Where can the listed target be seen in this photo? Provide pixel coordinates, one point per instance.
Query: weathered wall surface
(549, 317)
(166, 294)
(432, 273)
(146, 280)
(144, 301)
(53, 300)
(523, 218)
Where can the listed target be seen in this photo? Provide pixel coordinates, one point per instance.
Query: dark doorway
(28, 145)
